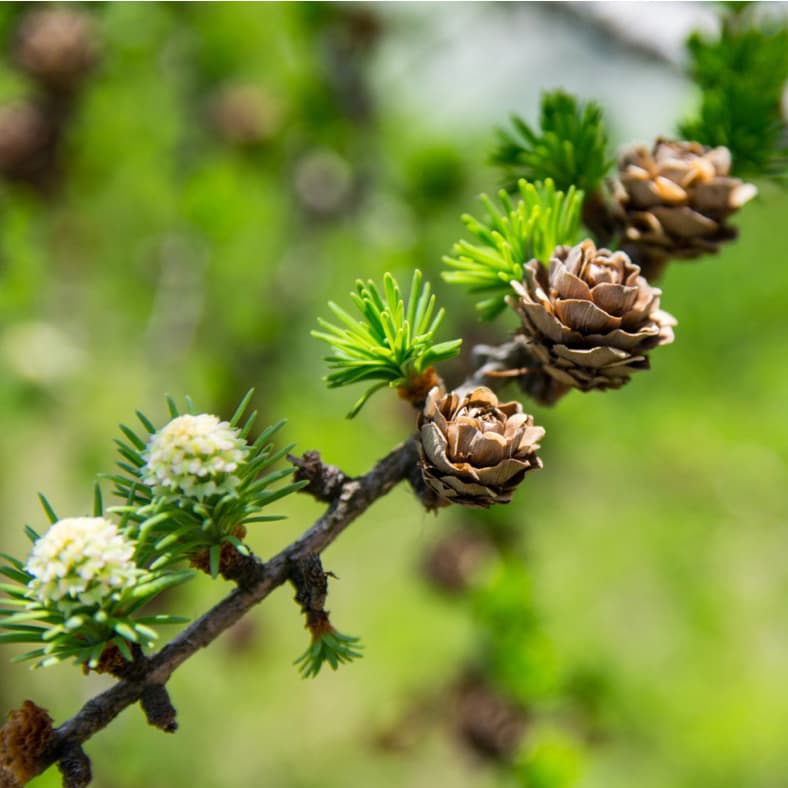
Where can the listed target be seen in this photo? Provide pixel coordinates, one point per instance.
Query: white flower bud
(81, 560)
(196, 456)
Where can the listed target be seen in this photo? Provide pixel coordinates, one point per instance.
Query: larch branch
(352, 498)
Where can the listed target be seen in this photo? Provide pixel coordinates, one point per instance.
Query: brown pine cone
(244, 115)
(589, 320)
(28, 143)
(673, 201)
(453, 563)
(474, 449)
(57, 47)
(23, 739)
(489, 724)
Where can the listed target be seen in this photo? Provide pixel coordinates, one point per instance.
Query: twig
(352, 498)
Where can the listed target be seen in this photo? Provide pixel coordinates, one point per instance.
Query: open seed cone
(589, 320)
(673, 201)
(474, 449)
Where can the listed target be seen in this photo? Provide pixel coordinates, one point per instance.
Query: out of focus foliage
(570, 146)
(742, 75)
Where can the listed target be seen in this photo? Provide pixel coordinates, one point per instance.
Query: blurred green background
(221, 172)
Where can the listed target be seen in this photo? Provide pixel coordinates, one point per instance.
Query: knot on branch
(75, 768)
(23, 740)
(158, 708)
(115, 664)
(328, 645)
(324, 481)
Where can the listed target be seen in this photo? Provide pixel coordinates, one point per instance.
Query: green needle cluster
(331, 647)
(542, 219)
(741, 75)
(81, 629)
(175, 526)
(570, 146)
(393, 343)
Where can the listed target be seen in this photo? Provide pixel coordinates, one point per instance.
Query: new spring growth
(394, 342)
(570, 145)
(542, 219)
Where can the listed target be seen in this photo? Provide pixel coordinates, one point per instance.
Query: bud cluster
(189, 491)
(81, 561)
(194, 456)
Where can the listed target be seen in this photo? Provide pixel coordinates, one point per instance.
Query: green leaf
(237, 544)
(50, 512)
(361, 401)
(441, 352)
(15, 562)
(14, 574)
(28, 655)
(173, 537)
(247, 425)
(148, 525)
(134, 457)
(98, 501)
(20, 637)
(332, 647)
(172, 407)
(214, 553)
(155, 587)
(127, 632)
(242, 406)
(31, 615)
(146, 422)
(16, 600)
(268, 518)
(123, 647)
(134, 439)
(146, 633)
(75, 622)
(161, 618)
(268, 432)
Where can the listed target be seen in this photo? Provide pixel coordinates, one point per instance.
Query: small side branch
(328, 645)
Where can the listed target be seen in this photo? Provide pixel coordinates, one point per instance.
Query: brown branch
(352, 499)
